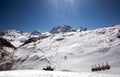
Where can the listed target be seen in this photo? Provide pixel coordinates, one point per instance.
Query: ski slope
(36, 73)
(72, 51)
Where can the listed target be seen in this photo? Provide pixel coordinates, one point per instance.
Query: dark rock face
(6, 65)
(59, 39)
(83, 29)
(62, 29)
(118, 34)
(33, 39)
(5, 43)
(6, 58)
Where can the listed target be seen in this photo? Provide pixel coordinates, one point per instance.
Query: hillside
(73, 51)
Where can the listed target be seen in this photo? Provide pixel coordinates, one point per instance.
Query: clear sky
(28, 15)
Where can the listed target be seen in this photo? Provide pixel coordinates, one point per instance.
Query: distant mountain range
(63, 48)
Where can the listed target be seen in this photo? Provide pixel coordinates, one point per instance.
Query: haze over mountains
(64, 48)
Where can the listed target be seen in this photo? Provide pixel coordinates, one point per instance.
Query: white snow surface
(36, 73)
(71, 51)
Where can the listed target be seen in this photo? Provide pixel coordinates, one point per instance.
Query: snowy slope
(37, 73)
(72, 51)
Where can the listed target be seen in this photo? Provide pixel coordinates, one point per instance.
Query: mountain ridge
(70, 51)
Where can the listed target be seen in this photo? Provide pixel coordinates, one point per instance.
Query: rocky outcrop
(5, 43)
(6, 55)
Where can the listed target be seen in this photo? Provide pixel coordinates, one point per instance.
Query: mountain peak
(62, 29)
(11, 32)
(36, 32)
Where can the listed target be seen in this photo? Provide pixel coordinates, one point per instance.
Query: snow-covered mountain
(35, 33)
(16, 37)
(71, 51)
(62, 29)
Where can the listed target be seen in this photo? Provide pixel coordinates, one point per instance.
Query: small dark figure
(99, 68)
(96, 69)
(48, 68)
(93, 69)
(107, 66)
(103, 67)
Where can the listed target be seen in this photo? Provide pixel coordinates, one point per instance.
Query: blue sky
(28, 15)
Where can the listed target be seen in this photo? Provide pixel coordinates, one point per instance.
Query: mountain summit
(35, 33)
(11, 33)
(62, 29)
